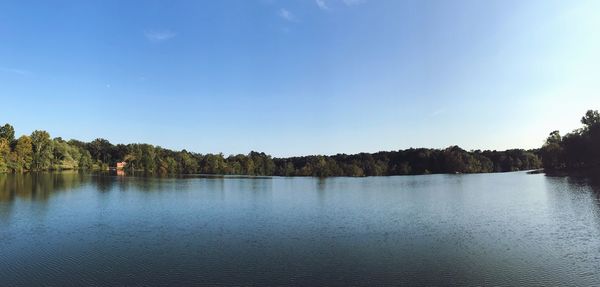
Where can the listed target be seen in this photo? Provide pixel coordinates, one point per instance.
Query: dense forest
(577, 150)
(38, 152)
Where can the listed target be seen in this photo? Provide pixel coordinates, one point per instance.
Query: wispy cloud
(159, 35)
(437, 112)
(322, 5)
(353, 2)
(286, 15)
(15, 71)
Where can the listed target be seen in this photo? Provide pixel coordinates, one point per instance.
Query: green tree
(42, 150)
(23, 153)
(101, 150)
(85, 161)
(65, 156)
(4, 155)
(591, 118)
(7, 132)
(148, 158)
(188, 163)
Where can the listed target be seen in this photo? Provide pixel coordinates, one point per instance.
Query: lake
(65, 229)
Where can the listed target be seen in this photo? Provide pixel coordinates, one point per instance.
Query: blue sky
(300, 77)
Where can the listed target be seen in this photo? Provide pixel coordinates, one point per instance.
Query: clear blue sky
(300, 77)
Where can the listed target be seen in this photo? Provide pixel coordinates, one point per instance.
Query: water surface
(493, 229)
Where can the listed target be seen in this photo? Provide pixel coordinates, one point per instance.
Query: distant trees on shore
(410, 161)
(579, 149)
(39, 152)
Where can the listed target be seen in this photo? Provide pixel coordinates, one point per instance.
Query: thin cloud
(322, 5)
(15, 71)
(437, 112)
(160, 35)
(353, 2)
(286, 15)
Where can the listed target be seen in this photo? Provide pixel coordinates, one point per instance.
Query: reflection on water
(484, 229)
(40, 186)
(37, 186)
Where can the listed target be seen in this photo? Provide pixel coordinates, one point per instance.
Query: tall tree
(4, 155)
(591, 118)
(8, 132)
(101, 150)
(579, 149)
(23, 153)
(42, 150)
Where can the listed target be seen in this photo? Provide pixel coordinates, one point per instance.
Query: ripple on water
(497, 229)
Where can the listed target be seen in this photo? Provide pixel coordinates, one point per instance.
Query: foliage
(579, 149)
(23, 154)
(4, 155)
(7, 132)
(40, 152)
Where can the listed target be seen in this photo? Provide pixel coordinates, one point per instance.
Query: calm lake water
(483, 229)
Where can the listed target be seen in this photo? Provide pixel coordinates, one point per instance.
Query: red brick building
(121, 165)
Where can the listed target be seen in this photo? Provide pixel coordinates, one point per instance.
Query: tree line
(38, 152)
(577, 150)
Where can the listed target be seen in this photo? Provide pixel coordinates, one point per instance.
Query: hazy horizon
(300, 78)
